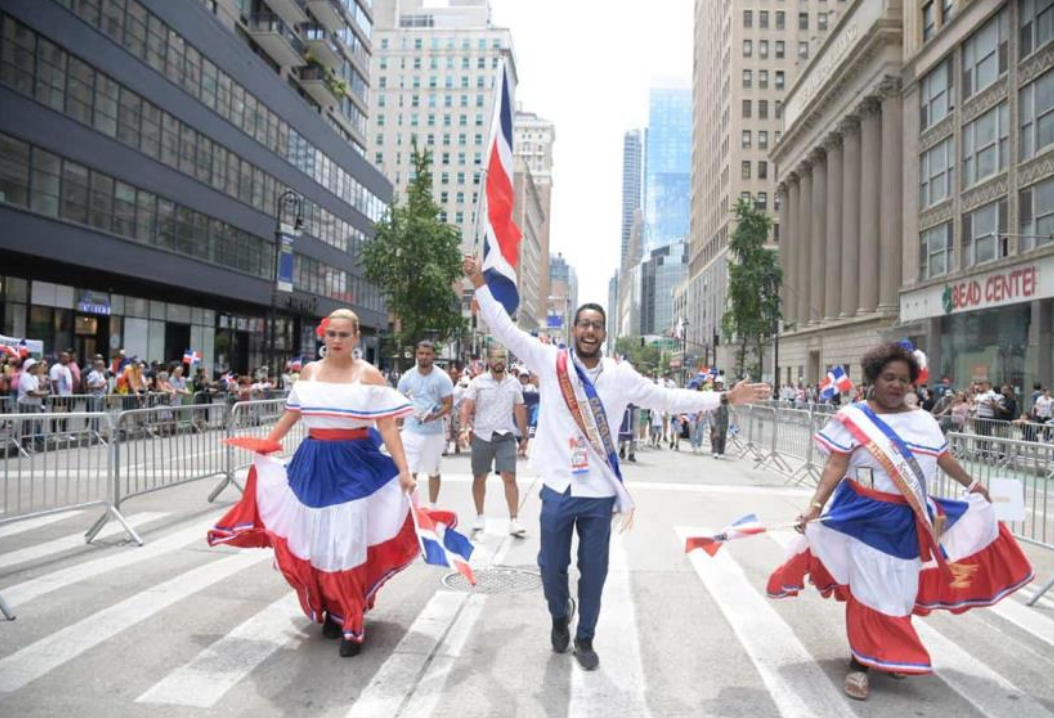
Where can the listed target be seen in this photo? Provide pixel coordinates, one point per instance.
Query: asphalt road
(175, 628)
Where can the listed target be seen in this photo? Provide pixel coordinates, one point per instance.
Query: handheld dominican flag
(827, 388)
(746, 526)
(841, 380)
(441, 545)
(191, 357)
(501, 236)
(296, 364)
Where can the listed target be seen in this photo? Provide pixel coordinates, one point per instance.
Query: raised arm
(529, 349)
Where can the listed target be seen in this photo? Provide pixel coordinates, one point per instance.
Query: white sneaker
(516, 529)
(480, 523)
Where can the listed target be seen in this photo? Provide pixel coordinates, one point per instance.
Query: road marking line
(1027, 619)
(439, 632)
(797, 685)
(618, 688)
(128, 556)
(72, 541)
(203, 681)
(30, 524)
(58, 648)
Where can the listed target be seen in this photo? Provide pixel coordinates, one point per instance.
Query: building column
(833, 253)
(781, 247)
(818, 238)
(804, 244)
(850, 131)
(870, 181)
(891, 222)
(792, 247)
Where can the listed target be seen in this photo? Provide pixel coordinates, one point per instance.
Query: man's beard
(583, 353)
(497, 368)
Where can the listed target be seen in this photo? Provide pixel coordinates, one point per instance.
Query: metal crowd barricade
(1030, 462)
(162, 446)
(793, 439)
(55, 469)
(256, 419)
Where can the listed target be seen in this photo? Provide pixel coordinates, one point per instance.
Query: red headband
(320, 330)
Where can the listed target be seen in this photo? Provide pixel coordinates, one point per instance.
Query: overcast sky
(587, 66)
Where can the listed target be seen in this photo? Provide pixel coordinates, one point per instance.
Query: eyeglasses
(333, 334)
(586, 324)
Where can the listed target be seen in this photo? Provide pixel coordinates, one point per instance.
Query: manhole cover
(496, 579)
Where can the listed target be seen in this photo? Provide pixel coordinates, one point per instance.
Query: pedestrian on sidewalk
(719, 427)
(627, 435)
(338, 514)
(575, 452)
(487, 410)
(432, 394)
(657, 421)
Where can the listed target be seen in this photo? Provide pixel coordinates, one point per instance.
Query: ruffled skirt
(866, 553)
(337, 520)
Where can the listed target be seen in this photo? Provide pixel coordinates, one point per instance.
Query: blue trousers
(561, 514)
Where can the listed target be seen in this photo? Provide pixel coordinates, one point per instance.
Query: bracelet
(973, 485)
(816, 505)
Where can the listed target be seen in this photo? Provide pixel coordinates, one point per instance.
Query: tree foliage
(415, 261)
(754, 279)
(646, 359)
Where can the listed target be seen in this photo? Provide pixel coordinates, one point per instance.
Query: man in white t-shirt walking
(432, 394)
(487, 410)
(62, 387)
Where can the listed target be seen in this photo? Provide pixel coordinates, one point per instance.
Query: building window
(761, 201)
(745, 169)
(947, 11)
(1036, 210)
(985, 55)
(929, 20)
(748, 18)
(936, 173)
(803, 21)
(781, 20)
(745, 141)
(1037, 24)
(1036, 110)
(821, 21)
(746, 109)
(763, 169)
(748, 78)
(936, 95)
(780, 79)
(986, 144)
(781, 49)
(936, 251)
(984, 234)
(763, 139)
(803, 50)
(763, 79)
(763, 109)
(748, 48)
(763, 49)
(779, 112)
(763, 19)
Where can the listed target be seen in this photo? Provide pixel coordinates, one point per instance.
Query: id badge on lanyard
(579, 456)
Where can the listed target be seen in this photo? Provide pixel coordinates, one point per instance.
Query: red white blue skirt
(867, 554)
(338, 522)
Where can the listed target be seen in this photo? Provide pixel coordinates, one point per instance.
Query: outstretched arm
(644, 392)
(530, 351)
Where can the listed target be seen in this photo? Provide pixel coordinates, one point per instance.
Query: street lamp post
(285, 236)
(684, 352)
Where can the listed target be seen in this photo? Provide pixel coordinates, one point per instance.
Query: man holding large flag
(575, 451)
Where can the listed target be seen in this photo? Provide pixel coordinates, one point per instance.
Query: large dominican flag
(501, 236)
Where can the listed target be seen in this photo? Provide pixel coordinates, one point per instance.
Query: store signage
(92, 303)
(554, 321)
(286, 237)
(1001, 287)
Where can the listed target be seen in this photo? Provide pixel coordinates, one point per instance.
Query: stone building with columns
(841, 195)
(978, 290)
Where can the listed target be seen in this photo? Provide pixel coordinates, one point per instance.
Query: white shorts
(423, 451)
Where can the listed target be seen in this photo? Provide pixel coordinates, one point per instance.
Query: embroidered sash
(588, 412)
(886, 446)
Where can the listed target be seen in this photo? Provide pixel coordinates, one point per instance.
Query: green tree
(645, 359)
(415, 261)
(754, 280)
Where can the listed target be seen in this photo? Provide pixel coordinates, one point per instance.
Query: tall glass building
(668, 166)
(144, 148)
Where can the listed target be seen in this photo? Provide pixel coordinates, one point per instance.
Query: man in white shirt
(583, 485)
(487, 409)
(62, 387)
(432, 394)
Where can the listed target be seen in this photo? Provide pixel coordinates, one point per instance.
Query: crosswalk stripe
(30, 524)
(447, 619)
(1028, 619)
(72, 541)
(988, 691)
(60, 647)
(771, 644)
(128, 556)
(207, 678)
(618, 688)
